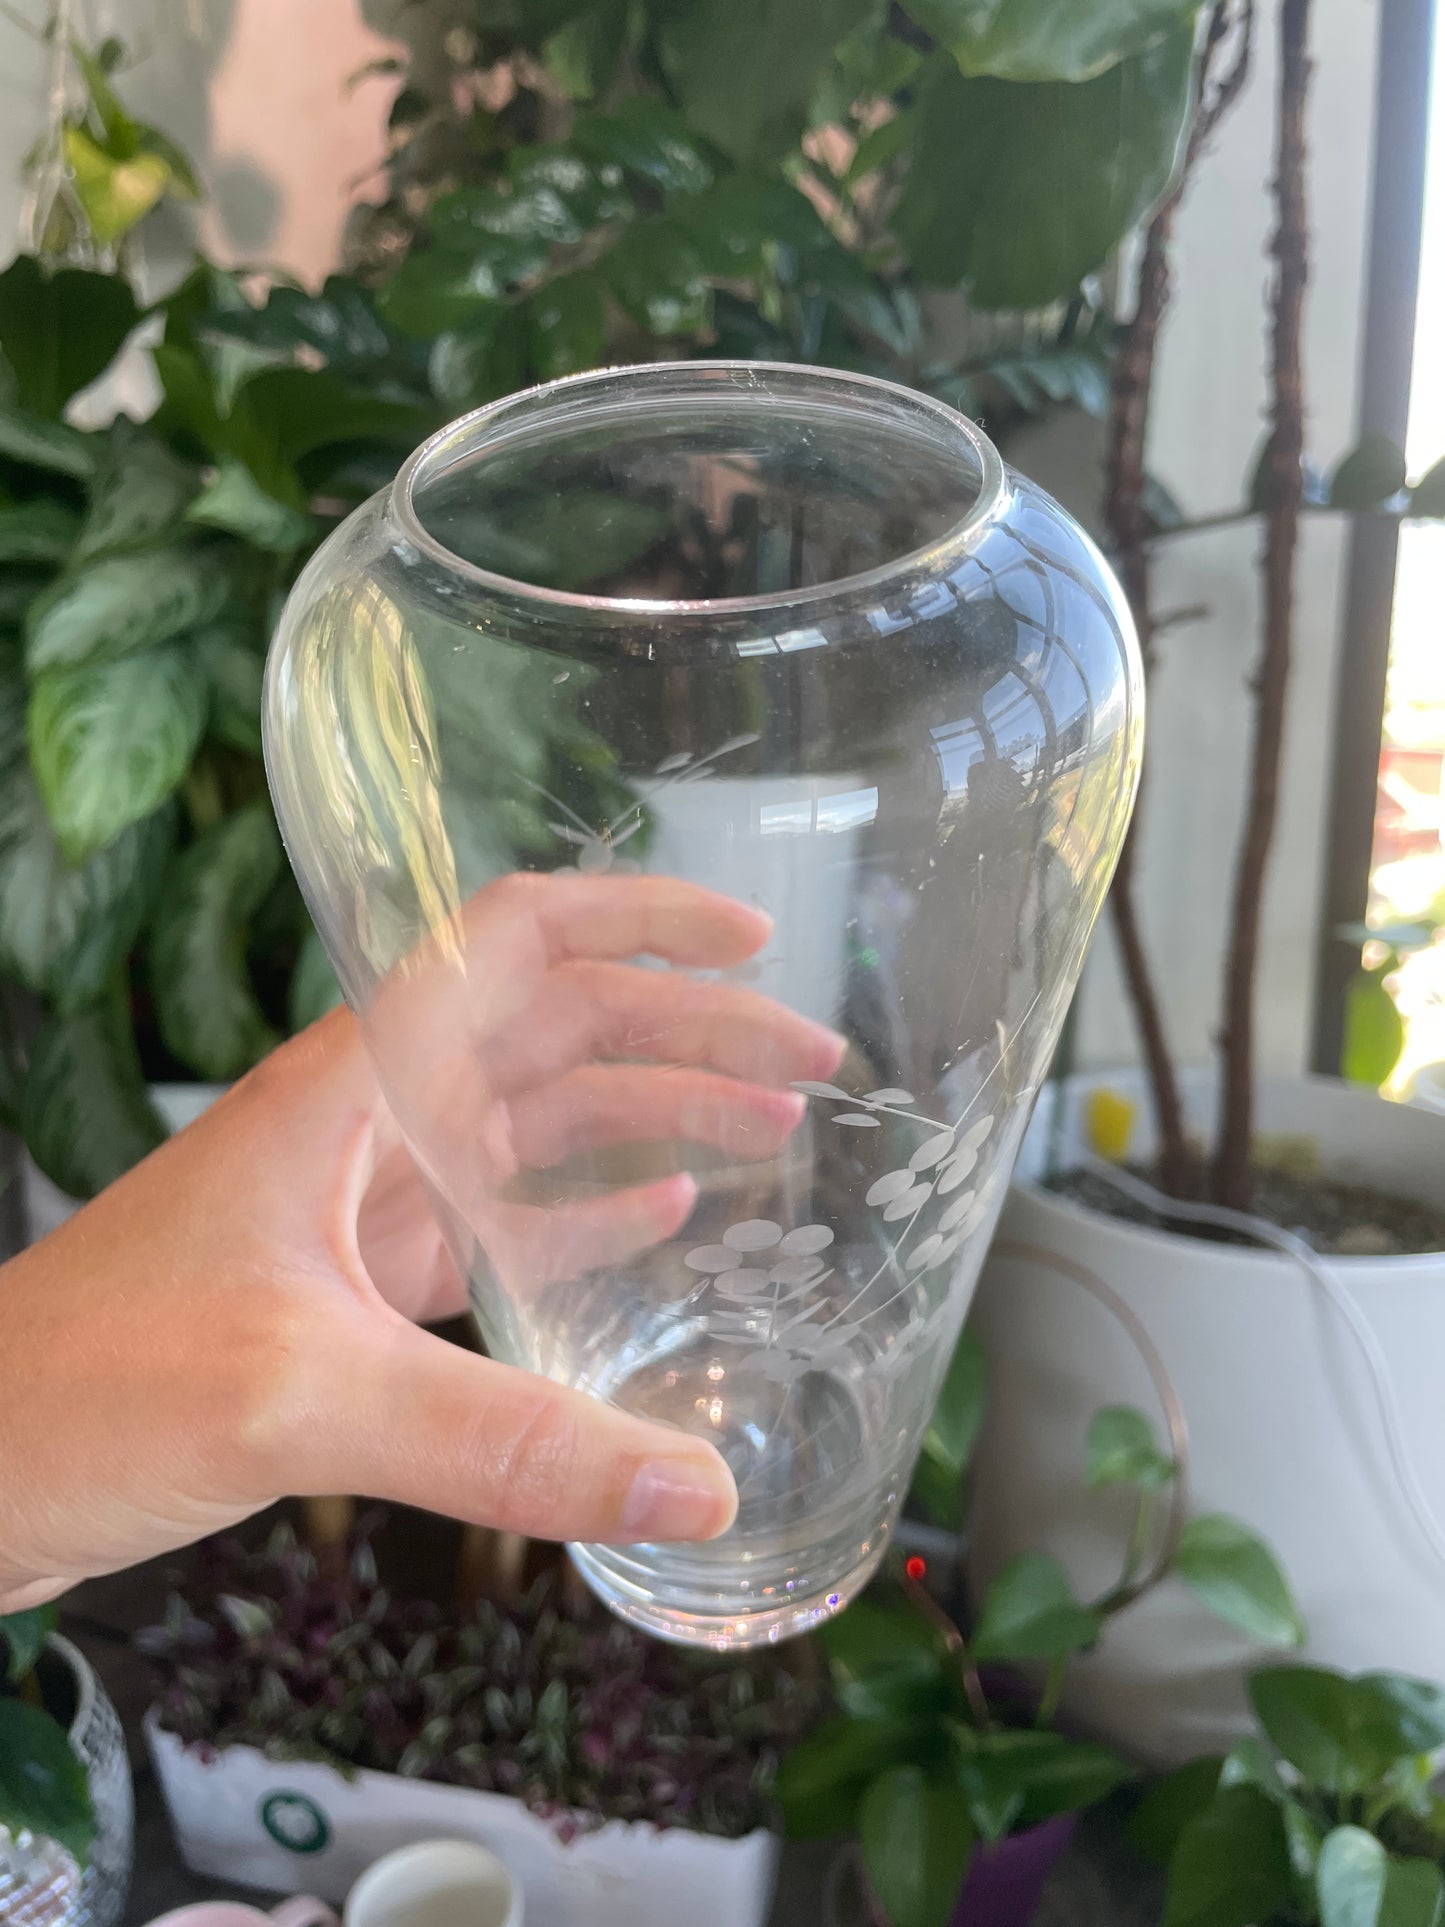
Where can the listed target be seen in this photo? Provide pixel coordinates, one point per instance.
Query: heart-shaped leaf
(43, 1788)
(917, 1842)
(1236, 1575)
(1030, 1612)
(109, 742)
(1122, 1450)
(208, 1013)
(1046, 39)
(60, 330)
(1231, 1866)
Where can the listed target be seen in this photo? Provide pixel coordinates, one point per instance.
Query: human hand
(230, 1322)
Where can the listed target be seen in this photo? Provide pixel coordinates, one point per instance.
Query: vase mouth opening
(698, 489)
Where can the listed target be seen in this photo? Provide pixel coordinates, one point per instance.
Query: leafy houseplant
(43, 1786)
(1326, 1818)
(940, 1750)
(567, 184)
(553, 1704)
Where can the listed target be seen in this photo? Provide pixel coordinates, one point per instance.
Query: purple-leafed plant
(557, 1704)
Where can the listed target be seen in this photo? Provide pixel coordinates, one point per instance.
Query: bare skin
(236, 1320)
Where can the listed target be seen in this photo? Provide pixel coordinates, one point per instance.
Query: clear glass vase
(705, 778)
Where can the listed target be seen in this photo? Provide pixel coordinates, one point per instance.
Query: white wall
(1207, 422)
(254, 90)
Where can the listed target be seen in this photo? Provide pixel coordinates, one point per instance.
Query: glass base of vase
(637, 1589)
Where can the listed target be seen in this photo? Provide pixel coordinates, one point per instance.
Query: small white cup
(435, 1883)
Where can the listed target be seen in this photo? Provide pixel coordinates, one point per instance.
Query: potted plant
(946, 1752)
(308, 1717)
(614, 206)
(1324, 1817)
(65, 1792)
(1301, 1375)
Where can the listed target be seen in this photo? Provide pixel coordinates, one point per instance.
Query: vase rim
(474, 432)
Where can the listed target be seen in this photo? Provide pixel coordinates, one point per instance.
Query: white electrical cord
(1335, 1291)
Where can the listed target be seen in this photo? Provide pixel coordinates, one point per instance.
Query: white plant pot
(1284, 1423)
(300, 1827)
(47, 1207)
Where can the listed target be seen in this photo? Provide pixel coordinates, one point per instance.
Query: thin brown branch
(1283, 494)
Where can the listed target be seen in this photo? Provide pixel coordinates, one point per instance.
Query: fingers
(620, 916)
(627, 1104)
(587, 1010)
(531, 1247)
(415, 1421)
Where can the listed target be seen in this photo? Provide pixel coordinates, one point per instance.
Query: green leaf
(36, 531)
(916, 1843)
(1418, 1704)
(113, 194)
(938, 1490)
(1166, 1809)
(649, 141)
(744, 73)
(1360, 1885)
(234, 668)
(1020, 190)
(208, 1013)
(300, 410)
(1237, 1577)
(60, 331)
(120, 604)
(1015, 1780)
(110, 742)
(822, 1778)
(1427, 497)
(64, 931)
(314, 989)
(435, 289)
(138, 496)
(43, 1788)
(886, 1661)
(657, 276)
(1030, 1612)
(235, 501)
(1122, 1450)
(953, 1430)
(1371, 473)
(1231, 1866)
(1374, 1031)
(477, 363)
(582, 56)
(1340, 1734)
(31, 438)
(24, 1634)
(87, 1116)
(1047, 39)
(566, 328)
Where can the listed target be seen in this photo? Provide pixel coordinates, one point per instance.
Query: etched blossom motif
(597, 848)
(937, 1172)
(766, 1278)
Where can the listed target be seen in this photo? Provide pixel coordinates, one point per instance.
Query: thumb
(417, 1421)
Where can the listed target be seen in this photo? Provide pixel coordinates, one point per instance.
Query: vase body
(614, 667)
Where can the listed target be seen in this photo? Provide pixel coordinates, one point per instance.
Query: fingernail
(691, 1498)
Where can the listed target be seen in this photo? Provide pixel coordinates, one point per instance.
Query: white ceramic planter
(299, 1826)
(1285, 1428)
(46, 1206)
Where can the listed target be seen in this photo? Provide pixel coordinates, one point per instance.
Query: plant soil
(1335, 1218)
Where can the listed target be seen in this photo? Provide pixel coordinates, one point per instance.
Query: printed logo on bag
(295, 1822)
